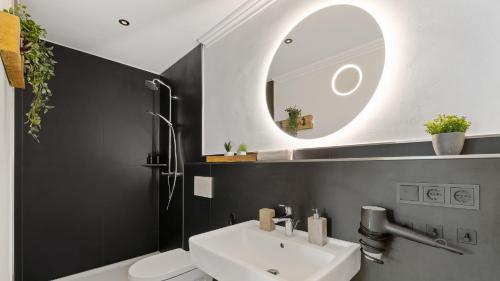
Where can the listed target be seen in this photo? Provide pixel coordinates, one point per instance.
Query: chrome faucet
(290, 223)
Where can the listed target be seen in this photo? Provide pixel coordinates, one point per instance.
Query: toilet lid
(161, 266)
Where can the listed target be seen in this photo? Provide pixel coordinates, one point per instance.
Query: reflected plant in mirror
(293, 120)
(329, 66)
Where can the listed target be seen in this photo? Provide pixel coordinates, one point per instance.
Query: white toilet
(173, 265)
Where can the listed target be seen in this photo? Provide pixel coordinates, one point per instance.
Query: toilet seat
(163, 266)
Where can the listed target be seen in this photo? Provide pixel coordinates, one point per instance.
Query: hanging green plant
(39, 66)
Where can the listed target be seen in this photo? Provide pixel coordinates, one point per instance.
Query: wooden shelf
(10, 49)
(250, 157)
(395, 158)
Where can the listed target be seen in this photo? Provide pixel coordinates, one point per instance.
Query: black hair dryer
(375, 229)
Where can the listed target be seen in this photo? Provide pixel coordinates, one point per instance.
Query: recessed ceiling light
(124, 22)
(288, 41)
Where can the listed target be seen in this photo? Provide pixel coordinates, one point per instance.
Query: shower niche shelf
(170, 174)
(155, 165)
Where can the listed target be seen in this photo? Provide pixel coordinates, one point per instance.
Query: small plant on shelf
(39, 66)
(294, 114)
(228, 146)
(448, 133)
(242, 149)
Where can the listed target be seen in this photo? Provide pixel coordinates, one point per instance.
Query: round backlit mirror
(325, 71)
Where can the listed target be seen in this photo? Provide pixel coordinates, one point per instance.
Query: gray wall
(341, 188)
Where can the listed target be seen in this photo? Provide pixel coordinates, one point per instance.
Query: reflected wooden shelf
(305, 122)
(10, 49)
(250, 157)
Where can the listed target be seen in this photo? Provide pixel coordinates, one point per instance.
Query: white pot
(242, 153)
(229, 154)
(448, 143)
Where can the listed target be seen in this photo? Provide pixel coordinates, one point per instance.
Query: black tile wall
(82, 198)
(196, 210)
(185, 78)
(339, 189)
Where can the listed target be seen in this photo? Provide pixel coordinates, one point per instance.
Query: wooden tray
(250, 157)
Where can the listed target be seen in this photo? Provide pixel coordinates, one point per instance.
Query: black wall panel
(339, 189)
(82, 198)
(185, 78)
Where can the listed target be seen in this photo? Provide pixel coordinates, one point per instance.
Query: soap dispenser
(316, 227)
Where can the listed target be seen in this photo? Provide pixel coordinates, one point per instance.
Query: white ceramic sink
(243, 252)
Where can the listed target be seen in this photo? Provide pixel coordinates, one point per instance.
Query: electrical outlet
(462, 196)
(434, 230)
(434, 194)
(467, 236)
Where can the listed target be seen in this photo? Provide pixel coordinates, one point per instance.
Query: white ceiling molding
(343, 57)
(238, 17)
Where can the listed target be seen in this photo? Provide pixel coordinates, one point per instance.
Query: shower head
(155, 83)
(151, 85)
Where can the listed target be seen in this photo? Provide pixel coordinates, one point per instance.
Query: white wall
(441, 56)
(6, 171)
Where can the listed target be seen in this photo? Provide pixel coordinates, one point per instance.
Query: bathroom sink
(244, 252)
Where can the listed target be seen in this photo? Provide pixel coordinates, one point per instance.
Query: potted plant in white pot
(228, 146)
(242, 149)
(448, 133)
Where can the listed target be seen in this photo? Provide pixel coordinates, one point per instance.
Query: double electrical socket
(443, 195)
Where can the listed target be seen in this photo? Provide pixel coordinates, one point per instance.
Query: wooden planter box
(10, 49)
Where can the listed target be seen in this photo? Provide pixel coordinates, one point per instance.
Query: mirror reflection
(325, 71)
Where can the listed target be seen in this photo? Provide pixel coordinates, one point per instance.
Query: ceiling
(324, 34)
(161, 31)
